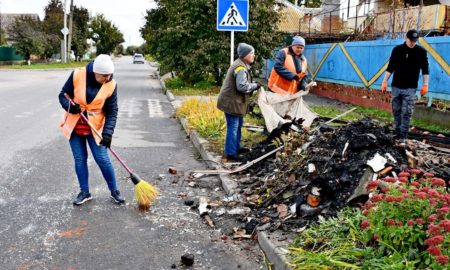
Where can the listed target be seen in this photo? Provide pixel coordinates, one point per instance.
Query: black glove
(296, 78)
(258, 85)
(74, 109)
(106, 140)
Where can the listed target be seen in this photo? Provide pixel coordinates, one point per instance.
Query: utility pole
(69, 42)
(1, 29)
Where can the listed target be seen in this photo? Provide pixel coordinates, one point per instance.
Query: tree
(52, 24)
(307, 3)
(27, 36)
(182, 35)
(80, 30)
(105, 35)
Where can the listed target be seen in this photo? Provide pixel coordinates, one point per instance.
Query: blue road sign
(232, 15)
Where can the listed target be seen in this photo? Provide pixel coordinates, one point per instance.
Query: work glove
(106, 141)
(74, 109)
(383, 87)
(424, 90)
(258, 86)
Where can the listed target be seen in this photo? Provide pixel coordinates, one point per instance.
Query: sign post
(232, 15)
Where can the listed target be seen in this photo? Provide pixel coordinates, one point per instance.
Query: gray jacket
(235, 93)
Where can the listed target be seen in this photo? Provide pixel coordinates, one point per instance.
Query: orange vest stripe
(94, 109)
(282, 86)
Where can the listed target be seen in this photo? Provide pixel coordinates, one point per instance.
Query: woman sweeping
(94, 92)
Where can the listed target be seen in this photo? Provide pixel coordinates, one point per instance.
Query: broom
(144, 193)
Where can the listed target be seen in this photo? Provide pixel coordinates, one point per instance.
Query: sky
(128, 16)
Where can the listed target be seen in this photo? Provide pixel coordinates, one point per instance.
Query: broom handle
(100, 136)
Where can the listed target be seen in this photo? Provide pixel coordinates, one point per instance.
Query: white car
(138, 58)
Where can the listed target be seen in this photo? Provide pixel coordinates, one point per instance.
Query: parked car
(138, 58)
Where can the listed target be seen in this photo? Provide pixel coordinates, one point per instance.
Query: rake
(144, 193)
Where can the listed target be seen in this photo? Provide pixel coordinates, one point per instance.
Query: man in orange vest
(94, 92)
(289, 72)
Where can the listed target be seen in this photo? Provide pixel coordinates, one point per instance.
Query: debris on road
(187, 259)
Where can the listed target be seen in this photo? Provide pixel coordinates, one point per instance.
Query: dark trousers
(402, 108)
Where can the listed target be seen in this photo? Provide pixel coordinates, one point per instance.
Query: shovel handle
(100, 136)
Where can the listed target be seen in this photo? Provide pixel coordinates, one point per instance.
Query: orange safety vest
(282, 86)
(94, 110)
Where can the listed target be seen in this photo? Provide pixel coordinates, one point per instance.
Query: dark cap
(413, 35)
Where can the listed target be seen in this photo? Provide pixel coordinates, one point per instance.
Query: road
(39, 226)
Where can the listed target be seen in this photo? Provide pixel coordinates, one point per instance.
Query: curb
(274, 252)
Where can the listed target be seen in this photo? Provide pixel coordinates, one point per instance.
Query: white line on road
(154, 108)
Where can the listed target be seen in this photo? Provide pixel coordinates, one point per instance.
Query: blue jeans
(233, 137)
(402, 108)
(100, 154)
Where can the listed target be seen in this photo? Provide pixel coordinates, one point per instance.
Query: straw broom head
(144, 193)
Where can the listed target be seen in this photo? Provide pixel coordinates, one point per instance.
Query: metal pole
(1, 29)
(330, 23)
(69, 42)
(64, 59)
(232, 48)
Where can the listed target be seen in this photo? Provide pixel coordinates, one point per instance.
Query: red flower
(415, 190)
(377, 198)
(375, 237)
(399, 223)
(410, 222)
(424, 189)
(406, 196)
(445, 224)
(421, 195)
(398, 199)
(390, 198)
(434, 241)
(403, 174)
(420, 220)
(372, 184)
(428, 174)
(442, 259)
(438, 182)
(365, 224)
(432, 218)
(403, 179)
(365, 212)
(415, 171)
(416, 184)
(434, 230)
(391, 222)
(433, 202)
(433, 193)
(385, 190)
(403, 190)
(444, 209)
(390, 179)
(435, 251)
(447, 196)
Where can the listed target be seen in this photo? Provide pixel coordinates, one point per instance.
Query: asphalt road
(39, 226)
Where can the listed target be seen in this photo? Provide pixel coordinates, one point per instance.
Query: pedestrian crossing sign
(232, 15)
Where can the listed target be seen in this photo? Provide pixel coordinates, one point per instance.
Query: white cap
(103, 64)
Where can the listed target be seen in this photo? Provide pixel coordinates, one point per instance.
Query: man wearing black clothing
(406, 62)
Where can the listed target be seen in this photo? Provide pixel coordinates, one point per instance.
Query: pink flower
(404, 174)
(433, 202)
(398, 199)
(415, 190)
(406, 196)
(375, 237)
(372, 184)
(442, 259)
(421, 195)
(428, 174)
(434, 251)
(365, 224)
(415, 171)
(391, 222)
(433, 193)
(434, 241)
(424, 189)
(385, 190)
(420, 220)
(403, 190)
(432, 218)
(410, 222)
(365, 212)
(399, 223)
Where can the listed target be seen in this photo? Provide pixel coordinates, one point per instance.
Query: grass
(178, 87)
(46, 66)
(203, 116)
(382, 116)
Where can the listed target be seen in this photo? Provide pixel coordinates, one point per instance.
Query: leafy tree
(52, 24)
(182, 35)
(80, 30)
(105, 35)
(307, 3)
(132, 50)
(28, 38)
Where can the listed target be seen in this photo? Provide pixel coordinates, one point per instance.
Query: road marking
(130, 108)
(154, 108)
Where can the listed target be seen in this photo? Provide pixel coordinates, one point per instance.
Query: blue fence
(363, 63)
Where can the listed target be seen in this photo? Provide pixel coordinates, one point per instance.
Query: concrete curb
(274, 252)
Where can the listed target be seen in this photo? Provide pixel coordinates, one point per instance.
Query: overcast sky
(128, 16)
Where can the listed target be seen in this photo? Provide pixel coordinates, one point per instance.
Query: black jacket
(406, 64)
